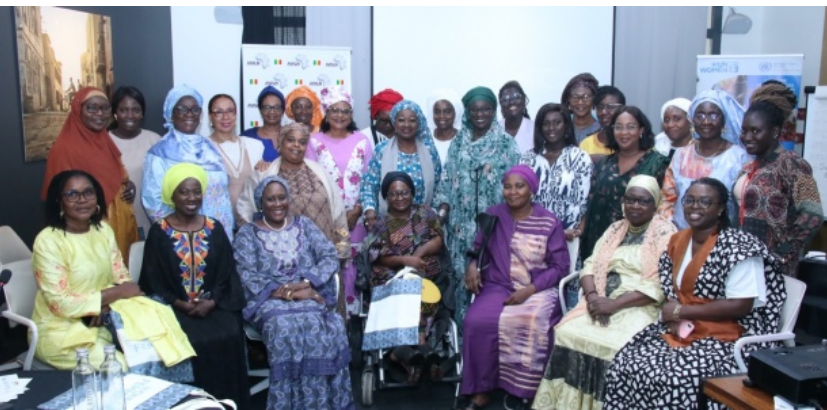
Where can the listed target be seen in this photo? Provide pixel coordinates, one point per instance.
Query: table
(730, 391)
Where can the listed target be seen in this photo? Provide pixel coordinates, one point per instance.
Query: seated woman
(287, 268)
(188, 264)
(508, 330)
(81, 277)
(622, 293)
(408, 235)
(719, 279)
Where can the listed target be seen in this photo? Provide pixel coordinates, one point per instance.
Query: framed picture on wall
(58, 51)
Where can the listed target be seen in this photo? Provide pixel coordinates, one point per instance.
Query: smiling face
(302, 110)
(130, 115)
(757, 135)
(444, 115)
(293, 147)
(554, 128)
(223, 114)
(676, 124)
(79, 201)
(606, 109)
(339, 116)
(580, 101)
(708, 121)
(516, 192)
(705, 207)
(271, 110)
(189, 120)
(274, 203)
(188, 197)
(627, 132)
(512, 103)
(638, 206)
(482, 116)
(383, 122)
(96, 113)
(406, 125)
(400, 198)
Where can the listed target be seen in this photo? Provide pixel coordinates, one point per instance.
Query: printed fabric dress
(564, 185)
(307, 347)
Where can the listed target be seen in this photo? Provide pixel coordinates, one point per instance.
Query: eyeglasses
(74, 196)
(384, 121)
(405, 193)
(182, 110)
(220, 113)
(703, 202)
(631, 200)
(94, 109)
(512, 99)
(483, 111)
(611, 107)
(339, 111)
(702, 116)
(629, 127)
(271, 108)
(580, 97)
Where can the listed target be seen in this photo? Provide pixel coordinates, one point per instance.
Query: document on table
(11, 386)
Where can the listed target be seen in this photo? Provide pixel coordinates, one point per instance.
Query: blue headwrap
(270, 90)
(174, 95)
(262, 185)
(423, 133)
(733, 113)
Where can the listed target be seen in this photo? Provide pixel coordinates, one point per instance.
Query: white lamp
(736, 23)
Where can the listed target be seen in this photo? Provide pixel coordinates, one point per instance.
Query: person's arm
(226, 290)
(583, 180)
(154, 170)
(557, 261)
(155, 272)
(808, 213)
(324, 260)
(442, 197)
(669, 193)
(724, 309)
(436, 243)
(437, 172)
(371, 180)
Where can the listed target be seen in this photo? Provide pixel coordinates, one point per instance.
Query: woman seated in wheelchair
(409, 235)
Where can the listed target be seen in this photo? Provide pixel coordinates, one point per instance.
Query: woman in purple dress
(508, 330)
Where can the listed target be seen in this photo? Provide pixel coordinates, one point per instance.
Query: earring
(98, 210)
(116, 116)
(61, 213)
(641, 136)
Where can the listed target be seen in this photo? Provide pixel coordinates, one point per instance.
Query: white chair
(20, 293)
(574, 252)
(12, 248)
(789, 315)
(136, 260)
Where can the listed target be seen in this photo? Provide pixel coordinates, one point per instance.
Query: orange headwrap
(78, 147)
(304, 91)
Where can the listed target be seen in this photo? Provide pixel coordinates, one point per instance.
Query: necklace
(283, 224)
(637, 230)
(714, 154)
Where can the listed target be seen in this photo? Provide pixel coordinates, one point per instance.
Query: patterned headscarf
(383, 101)
(176, 94)
(262, 185)
(733, 112)
(682, 104)
(270, 90)
(423, 133)
(477, 94)
(304, 91)
(450, 96)
(649, 183)
(526, 173)
(176, 174)
(333, 95)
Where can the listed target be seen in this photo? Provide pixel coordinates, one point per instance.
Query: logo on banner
(338, 61)
(261, 60)
(720, 67)
(765, 66)
(300, 61)
(279, 81)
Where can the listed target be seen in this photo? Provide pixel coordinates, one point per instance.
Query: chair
(20, 294)
(574, 253)
(136, 260)
(12, 248)
(789, 314)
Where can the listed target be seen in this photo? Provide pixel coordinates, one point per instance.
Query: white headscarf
(448, 95)
(681, 103)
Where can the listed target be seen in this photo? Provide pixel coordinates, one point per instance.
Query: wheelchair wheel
(367, 388)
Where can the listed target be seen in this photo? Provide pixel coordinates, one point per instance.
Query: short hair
(216, 97)
(54, 195)
(647, 139)
(607, 90)
(580, 80)
(723, 198)
(128, 91)
(568, 124)
(514, 84)
(325, 127)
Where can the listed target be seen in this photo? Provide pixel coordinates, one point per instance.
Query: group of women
(264, 228)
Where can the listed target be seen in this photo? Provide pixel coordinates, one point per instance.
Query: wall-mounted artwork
(58, 51)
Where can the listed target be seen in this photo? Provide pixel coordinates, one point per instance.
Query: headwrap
(733, 112)
(333, 95)
(394, 176)
(78, 147)
(290, 128)
(477, 94)
(526, 173)
(383, 101)
(450, 96)
(176, 94)
(649, 183)
(262, 185)
(176, 174)
(270, 90)
(304, 91)
(423, 133)
(682, 104)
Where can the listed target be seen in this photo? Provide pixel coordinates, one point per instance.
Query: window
(282, 25)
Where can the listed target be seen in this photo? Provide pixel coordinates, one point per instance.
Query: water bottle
(111, 381)
(84, 383)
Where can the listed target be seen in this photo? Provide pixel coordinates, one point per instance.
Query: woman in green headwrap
(480, 156)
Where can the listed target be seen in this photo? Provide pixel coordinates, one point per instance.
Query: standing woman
(84, 144)
(717, 153)
(631, 140)
(239, 154)
(447, 111)
(778, 199)
(271, 107)
(188, 263)
(380, 106)
(480, 156)
(182, 112)
(133, 142)
(516, 122)
(608, 100)
(677, 127)
(578, 96)
(303, 106)
(408, 152)
(344, 153)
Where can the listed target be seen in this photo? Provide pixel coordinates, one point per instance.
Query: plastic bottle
(84, 383)
(111, 381)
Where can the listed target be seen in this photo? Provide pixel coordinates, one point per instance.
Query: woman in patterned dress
(723, 281)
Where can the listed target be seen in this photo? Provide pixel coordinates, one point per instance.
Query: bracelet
(676, 313)
(589, 293)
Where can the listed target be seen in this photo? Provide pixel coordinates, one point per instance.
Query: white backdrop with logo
(287, 67)
(741, 75)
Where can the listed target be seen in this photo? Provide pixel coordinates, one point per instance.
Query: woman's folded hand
(521, 295)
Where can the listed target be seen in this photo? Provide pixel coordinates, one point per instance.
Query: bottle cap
(109, 349)
(82, 352)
